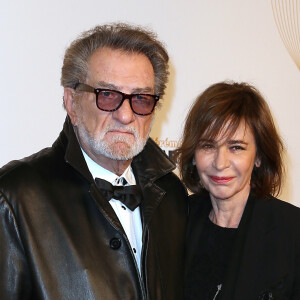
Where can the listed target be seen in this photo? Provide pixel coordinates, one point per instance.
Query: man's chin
(119, 151)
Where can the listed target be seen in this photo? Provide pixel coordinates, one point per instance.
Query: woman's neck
(227, 213)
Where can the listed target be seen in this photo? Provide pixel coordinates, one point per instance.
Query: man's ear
(69, 101)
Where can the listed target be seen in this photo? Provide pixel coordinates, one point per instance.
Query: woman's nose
(221, 159)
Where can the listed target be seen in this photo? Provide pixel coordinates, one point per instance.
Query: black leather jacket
(61, 240)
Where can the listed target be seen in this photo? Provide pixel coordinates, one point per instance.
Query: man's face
(121, 134)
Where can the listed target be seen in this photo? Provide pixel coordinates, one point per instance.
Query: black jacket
(61, 240)
(265, 260)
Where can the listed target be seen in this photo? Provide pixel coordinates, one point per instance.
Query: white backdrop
(208, 41)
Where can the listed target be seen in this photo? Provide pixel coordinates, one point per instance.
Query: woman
(242, 243)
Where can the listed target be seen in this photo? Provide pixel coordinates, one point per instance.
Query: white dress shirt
(130, 220)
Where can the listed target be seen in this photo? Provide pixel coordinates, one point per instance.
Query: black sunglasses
(110, 100)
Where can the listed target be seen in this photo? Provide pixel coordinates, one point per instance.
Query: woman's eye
(207, 146)
(236, 148)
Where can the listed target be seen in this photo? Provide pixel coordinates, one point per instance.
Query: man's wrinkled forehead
(122, 71)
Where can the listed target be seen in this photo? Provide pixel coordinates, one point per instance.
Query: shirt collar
(100, 172)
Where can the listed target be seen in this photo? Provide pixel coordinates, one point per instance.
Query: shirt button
(134, 250)
(115, 243)
(123, 207)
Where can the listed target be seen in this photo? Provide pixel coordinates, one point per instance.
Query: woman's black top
(210, 262)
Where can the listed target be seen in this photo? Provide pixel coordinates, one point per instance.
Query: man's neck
(115, 166)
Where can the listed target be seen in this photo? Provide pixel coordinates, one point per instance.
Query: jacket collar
(151, 164)
(68, 143)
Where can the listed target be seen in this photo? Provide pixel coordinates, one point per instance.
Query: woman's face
(225, 164)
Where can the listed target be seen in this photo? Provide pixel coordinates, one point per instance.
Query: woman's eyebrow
(236, 142)
(206, 141)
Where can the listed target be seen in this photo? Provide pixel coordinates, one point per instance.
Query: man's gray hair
(117, 36)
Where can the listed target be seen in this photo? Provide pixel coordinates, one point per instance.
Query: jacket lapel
(148, 167)
(105, 208)
(199, 211)
(250, 240)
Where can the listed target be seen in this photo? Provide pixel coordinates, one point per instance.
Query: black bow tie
(130, 195)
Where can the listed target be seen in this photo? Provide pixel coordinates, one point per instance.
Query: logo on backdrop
(167, 145)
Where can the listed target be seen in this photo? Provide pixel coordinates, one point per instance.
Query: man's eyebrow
(106, 85)
(146, 90)
(110, 86)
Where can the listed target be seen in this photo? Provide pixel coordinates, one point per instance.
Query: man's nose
(221, 159)
(124, 114)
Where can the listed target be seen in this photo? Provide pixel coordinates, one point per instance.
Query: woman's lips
(220, 180)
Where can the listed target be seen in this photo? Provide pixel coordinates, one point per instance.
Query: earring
(257, 163)
(194, 161)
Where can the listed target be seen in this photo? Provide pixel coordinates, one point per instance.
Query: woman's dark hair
(231, 103)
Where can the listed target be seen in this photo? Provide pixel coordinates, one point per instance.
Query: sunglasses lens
(142, 104)
(109, 100)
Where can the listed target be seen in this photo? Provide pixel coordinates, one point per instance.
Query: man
(65, 233)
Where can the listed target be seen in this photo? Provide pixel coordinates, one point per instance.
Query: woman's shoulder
(281, 206)
(283, 212)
